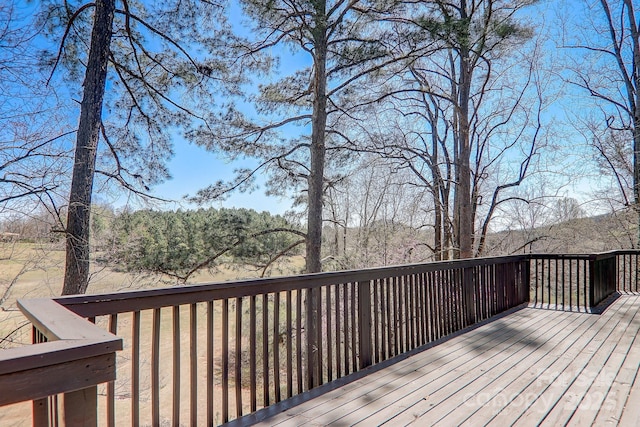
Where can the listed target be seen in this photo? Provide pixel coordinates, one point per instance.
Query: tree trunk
(455, 247)
(76, 278)
(318, 130)
(636, 114)
(636, 171)
(437, 199)
(438, 228)
(465, 214)
(465, 225)
(315, 194)
(345, 228)
(447, 236)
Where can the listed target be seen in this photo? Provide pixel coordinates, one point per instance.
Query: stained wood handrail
(78, 354)
(360, 317)
(581, 282)
(121, 302)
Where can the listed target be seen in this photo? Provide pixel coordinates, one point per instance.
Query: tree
(76, 275)
(566, 209)
(124, 137)
(378, 217)
(343, 43)
(33, 155)
(468, 116)
(609, 74)
(181, 243)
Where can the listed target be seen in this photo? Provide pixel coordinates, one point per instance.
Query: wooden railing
(560, 281)
(210, 353)
(70, 355)
(628, 270)
(577, 282)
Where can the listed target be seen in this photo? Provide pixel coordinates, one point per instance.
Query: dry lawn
(36, 270)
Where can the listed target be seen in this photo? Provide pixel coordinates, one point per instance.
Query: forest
(397, 132)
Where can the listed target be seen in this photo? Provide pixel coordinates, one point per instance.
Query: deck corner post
(364, 323)
(81, 407)
(602, 278)
(592, 282)
(526, 281)
(40, 410)
(612, 274)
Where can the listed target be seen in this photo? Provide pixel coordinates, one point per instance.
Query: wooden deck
(528, 368)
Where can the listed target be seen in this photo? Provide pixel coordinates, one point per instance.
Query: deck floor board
(528, 368)
(512, 377)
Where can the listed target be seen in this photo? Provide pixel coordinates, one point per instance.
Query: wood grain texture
(53, 379)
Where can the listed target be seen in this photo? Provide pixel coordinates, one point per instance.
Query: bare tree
(466, 119)
(379, 217)
(33, 156)
(607, 69)
(485, 35)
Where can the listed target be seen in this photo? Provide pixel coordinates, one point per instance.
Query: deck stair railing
(207, 354)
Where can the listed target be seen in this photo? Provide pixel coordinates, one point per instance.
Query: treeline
(183, 242)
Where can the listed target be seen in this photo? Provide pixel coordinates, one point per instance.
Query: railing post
(468, 288)
(612, 276)
(312, 326)
(592, 282)
(40, 407)
(525, 282)
(40, 410)
(364, 323)
(80, 407)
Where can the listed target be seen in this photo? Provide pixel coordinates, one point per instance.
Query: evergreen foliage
(180, 243)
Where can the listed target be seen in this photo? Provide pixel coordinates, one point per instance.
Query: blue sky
(193, 167)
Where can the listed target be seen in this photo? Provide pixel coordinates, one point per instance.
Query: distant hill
(580, 235)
